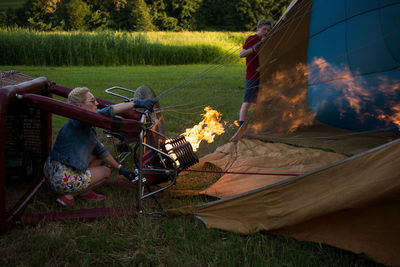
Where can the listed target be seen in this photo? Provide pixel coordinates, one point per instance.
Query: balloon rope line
(201, 75)
(304, 10)
(314, 66)
(226, 62)
(310, 68)
(236, 91)
(225, 59)
(294, 18)
(284, 26)
(230, 172)
(219, 62)
(323, 137)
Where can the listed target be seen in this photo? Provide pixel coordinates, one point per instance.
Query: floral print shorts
(64, 179)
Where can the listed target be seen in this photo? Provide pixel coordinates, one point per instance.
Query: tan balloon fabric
(353, 204)
(282, 103)
(327, 137)
(255, 156)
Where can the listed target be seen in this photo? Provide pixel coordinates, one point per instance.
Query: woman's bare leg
(98, 173)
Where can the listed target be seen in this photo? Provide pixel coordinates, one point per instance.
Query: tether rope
(313, 66)
(310, 67)
(231, 172)
(207, 69)
(284, 26)
(324, 137)
(201, 73)
(201, 100)
(289, 22)
(306, 9)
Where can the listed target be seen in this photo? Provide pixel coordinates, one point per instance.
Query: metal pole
(140, 167)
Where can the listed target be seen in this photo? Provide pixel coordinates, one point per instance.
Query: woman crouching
(73, 167)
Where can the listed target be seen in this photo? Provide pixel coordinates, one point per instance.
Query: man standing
(250, 50)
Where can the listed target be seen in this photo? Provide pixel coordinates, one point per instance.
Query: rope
(290, 21)
(180, 118)
(201, 100)
(202, 72)
(311, 67)
(207, 69)
(322, 137)
(228, 60)
(230, 172)
(284, 26)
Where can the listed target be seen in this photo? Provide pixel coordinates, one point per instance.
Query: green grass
(148, 241)
(222, 88)
(28, 47)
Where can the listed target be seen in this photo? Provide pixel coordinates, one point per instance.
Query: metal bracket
(110, 92)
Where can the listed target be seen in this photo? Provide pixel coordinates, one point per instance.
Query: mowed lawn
(146, 240)
(184, 90)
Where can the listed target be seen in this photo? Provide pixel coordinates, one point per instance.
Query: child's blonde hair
(263, 22)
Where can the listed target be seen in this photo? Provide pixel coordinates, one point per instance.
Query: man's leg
(250, 96)
(243, 112)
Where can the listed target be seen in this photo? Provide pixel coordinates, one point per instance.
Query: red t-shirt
(252, 60)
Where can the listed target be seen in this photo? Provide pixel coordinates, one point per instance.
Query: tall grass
(107, 48)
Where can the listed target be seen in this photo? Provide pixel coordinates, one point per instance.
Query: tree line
(143, 15)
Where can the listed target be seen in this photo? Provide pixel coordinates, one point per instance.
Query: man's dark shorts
(250, 95)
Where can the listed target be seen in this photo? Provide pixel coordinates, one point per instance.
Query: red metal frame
(26, 93)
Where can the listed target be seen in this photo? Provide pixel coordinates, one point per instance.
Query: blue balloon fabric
(353, 63)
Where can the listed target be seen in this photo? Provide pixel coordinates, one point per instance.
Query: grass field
(187, 89)
(108, 48)
(148, 241)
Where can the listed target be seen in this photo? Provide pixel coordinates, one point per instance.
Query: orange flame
(282, 104)
(206, 130)
(354, 92)
(169, 147)
(357, 94)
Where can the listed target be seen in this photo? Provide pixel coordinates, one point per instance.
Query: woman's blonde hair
(78, 95)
